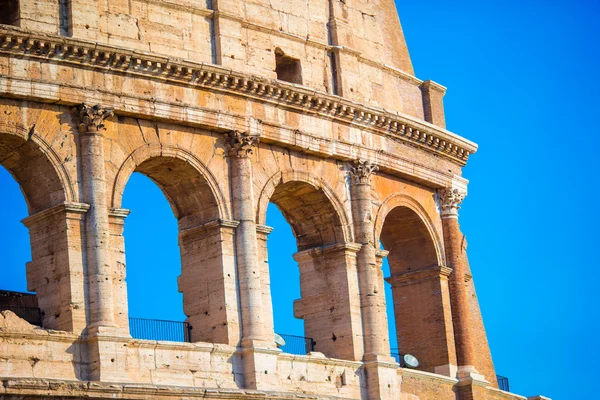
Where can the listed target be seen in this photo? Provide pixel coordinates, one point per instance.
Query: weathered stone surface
(228, 105)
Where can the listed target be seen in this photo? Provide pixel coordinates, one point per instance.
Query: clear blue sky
(522, 84)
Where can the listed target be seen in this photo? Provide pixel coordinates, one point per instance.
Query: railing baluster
(297, 344)
(151, 329)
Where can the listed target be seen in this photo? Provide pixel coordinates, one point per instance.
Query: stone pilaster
(100, 274)
(372, 292)
(263, 232)
(449, 200)
(116, 220)
(240, 146)
(433, 103)
(380, 368)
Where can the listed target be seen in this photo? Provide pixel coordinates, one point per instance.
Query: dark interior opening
(287, 68)
(10, 12)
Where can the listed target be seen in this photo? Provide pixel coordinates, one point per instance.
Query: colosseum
(228, 105)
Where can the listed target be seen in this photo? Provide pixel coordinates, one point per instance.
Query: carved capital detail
(91, 119)
(240, 144)
(362, 170)
(449, 200)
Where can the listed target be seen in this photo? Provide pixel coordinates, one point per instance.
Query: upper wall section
(351, 48)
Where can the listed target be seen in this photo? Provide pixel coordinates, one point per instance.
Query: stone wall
(352, 149)
(371, 67)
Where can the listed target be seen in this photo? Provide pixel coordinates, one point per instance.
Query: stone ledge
(139, 106)
(23, 43)
(44, 388)
(413, 373)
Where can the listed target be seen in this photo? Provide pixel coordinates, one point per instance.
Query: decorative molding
(264, 229)
(200, 231)
(240, 144)
(362, 170)
(81, 54)
(121, 213)
(320, 252)
(449, 200)
(91, 119)
(411, 277)
(431, 85)
(381, 254)
(78, 209)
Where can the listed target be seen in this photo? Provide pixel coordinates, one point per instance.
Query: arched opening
(206, 250)
(419, 289)
(153, 263)
(10, 14)
(327, 270)
(285, 277)
(55, 271)
(16, 252)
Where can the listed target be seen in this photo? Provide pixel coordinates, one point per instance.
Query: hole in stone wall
(287, 68)
(65, 17)
(10, 14)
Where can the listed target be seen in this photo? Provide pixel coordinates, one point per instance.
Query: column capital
(91, 119)
(449, 200)
(362, 170)
(240, 144)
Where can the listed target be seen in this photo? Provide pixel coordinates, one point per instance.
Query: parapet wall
(36, 361)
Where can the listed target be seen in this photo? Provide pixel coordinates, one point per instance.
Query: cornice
(61, 50)
(66, 207)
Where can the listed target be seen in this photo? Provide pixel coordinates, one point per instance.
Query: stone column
(97, 224)
(449, 201)
(373, 311)
(241, 146)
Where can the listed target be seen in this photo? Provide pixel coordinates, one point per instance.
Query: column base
(382, 379)
(447, 370)
(471, 385)
(257, 343)
(107, 330)
(260, 367)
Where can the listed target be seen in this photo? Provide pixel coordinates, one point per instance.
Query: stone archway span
(59, 186)
(287, 176)
(153, 151)
(401, 200)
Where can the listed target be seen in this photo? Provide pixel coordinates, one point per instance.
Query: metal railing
(297, 344)
(155, 329)
(502, 380)
(32, 315)
(503, 383)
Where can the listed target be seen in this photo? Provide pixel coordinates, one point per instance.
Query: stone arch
(35, 166)
(402, 201)
(419, 280)
(205, 238)
(326, 259)
(54, 226)
(148, 159)
(296, 184)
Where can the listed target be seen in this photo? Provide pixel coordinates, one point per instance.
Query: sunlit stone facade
(229, 105)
